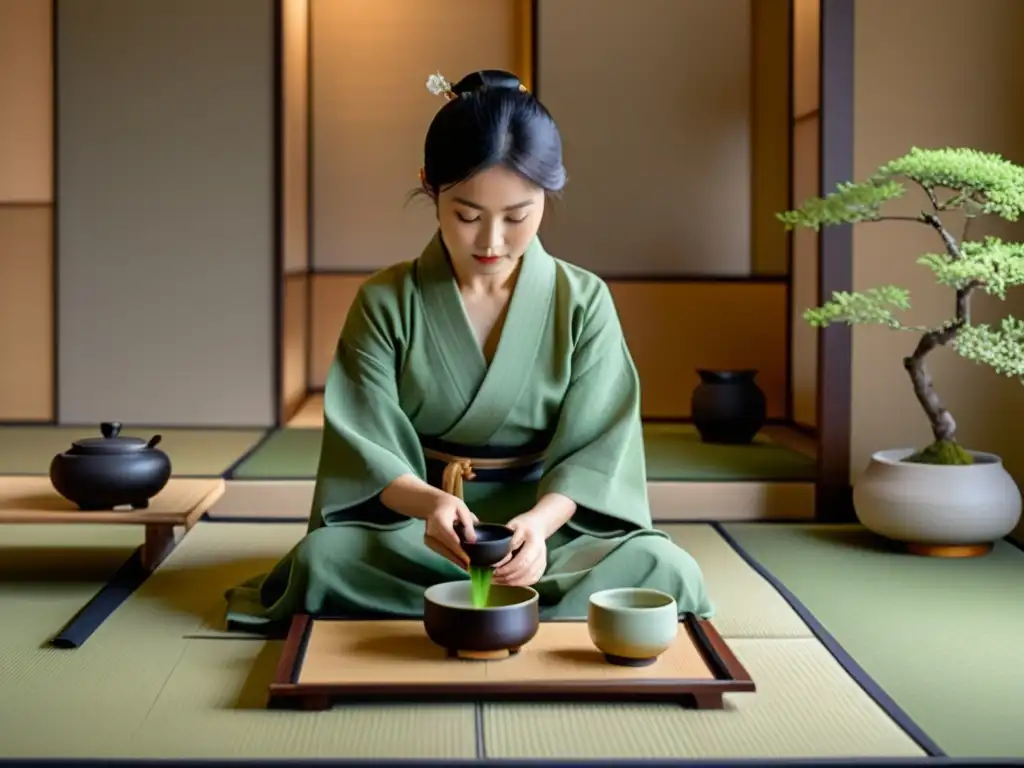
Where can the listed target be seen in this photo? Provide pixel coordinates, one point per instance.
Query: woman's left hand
(528, 559)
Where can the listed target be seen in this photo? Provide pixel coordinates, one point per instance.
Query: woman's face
(488, 220)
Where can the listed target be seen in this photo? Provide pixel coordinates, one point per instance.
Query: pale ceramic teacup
(632, 626)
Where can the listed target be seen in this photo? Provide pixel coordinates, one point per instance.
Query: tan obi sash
(460, 468)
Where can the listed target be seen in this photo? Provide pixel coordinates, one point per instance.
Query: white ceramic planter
(937, 505)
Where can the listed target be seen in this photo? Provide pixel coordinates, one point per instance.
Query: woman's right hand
(410, 496)
(440, 536)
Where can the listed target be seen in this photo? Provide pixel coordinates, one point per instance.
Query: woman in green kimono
(487, 360)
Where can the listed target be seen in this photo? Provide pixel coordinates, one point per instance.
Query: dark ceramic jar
(728, 406)
(111, 471)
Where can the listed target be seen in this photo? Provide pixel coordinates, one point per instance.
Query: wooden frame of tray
(405, 639)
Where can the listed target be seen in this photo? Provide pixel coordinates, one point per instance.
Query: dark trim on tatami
(122, 585)
(877, 694)
(835, 262)
(531, 762)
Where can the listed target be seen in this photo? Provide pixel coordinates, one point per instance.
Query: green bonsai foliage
(975, 184)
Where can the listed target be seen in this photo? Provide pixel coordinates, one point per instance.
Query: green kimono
(408, 373)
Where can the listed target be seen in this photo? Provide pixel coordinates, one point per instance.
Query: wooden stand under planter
(949, 550)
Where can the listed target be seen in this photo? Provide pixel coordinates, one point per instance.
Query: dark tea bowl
(492, 543)
(509, 621)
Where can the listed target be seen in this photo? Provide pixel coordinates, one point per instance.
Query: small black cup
(492, 543)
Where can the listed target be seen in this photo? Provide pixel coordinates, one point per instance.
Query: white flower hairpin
(438, 86)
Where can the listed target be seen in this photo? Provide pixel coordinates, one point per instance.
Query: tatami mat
(942, 637)
(674, 453)
(139, 687)
(747, 605)
(805, 706)
(47, 574)
(310, 415)
(167, 692)
(287, 454)
(217, 696)
(216, 556)
(210, 452)
(203, 698)
(188, 588)
(670, 502)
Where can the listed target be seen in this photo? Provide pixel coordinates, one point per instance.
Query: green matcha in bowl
(632, 627)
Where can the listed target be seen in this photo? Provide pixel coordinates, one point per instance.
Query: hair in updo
(489, 120)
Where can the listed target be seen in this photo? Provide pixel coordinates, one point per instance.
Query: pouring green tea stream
(480, 580)
(492, 543)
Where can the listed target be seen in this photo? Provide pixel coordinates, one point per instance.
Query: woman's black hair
(492, 121)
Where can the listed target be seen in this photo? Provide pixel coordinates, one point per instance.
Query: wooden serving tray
(328, 660)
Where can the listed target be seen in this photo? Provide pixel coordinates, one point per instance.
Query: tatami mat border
(125, 581)
(846, 661)
(906, 762)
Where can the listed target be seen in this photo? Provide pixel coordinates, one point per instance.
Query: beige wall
(769, 138)
(695, 144)
(26, 212)
(294, 344)
(672, 329)
(295, 83)
(166, 192)
(294, 348)
(911, 90)
(371, 109)
(26, 97)
(654, 102)
(806, 127)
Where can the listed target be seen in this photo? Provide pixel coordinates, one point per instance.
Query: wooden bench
(33, 500)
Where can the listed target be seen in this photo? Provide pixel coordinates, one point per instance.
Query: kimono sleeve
(368, 441)
(596, 456)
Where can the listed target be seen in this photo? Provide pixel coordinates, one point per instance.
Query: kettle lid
(110, 443)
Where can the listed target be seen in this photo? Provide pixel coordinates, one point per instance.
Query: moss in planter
(945, 452)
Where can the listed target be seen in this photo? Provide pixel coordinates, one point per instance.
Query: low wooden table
(32, 500)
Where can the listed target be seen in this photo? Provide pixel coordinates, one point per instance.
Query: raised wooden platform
(182, 502)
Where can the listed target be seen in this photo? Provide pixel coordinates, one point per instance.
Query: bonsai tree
(962, 181)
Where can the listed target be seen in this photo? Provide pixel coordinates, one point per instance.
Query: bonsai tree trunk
(945, 449)
(942, 422)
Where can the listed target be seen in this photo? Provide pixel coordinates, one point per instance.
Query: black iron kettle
(111, 471)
